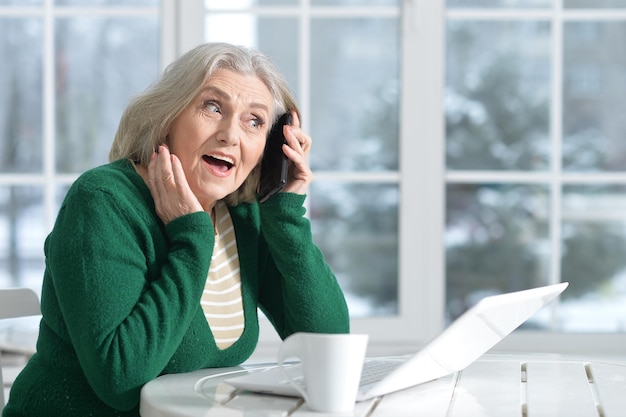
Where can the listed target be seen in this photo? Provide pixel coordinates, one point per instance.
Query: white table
(495, 385)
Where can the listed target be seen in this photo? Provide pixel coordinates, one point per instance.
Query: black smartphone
(274, 165)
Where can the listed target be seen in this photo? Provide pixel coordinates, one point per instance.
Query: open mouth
(222, 164)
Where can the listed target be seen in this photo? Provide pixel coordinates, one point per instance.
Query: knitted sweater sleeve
(124, 324)
(299, 291)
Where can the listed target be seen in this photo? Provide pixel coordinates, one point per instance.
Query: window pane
(355, 94)
(594, 244)
(594, 4)
(21, 2)
(235, 28)
(497, 95)
(22, 233)
(593, 95)
(355, 2)
(100, 64)
(356, 226)
(21, 99)
(500, 3)
(497, 240)
(242, 4)
(92, 3)
(278, 38)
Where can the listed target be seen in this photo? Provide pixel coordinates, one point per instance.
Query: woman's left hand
(297, 150)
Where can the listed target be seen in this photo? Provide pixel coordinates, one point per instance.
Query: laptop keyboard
(375, 370)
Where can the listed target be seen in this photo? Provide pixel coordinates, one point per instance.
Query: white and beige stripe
(221, 300)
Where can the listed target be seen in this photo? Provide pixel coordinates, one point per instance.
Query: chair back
(16, 302)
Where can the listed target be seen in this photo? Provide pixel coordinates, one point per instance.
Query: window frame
(423, 180)
(554, 177)
(422, 171)
(421, 300)
(49, 178)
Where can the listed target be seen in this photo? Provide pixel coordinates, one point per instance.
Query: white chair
(16, 302)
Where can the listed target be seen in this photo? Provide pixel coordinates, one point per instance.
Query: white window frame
(423, 179)
(422, 172)
(558, 342)
(420, 300)
(49, 178)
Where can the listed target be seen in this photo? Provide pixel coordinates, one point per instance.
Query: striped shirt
(221, 299)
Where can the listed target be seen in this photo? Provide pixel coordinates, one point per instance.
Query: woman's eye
(211, 106)
(256, 122)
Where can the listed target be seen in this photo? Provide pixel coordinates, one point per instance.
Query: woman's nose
(229, 131)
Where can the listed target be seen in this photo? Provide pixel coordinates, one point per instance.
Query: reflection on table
(495, 385)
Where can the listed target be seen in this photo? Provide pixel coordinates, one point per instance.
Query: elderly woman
(159, 260)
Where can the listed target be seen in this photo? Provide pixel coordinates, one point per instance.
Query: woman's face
(220, 136)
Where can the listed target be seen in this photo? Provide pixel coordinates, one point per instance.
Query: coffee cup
(331, 367)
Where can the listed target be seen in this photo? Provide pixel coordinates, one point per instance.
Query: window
(495, 164)
(461, 148)
(535, 159)
(342, 59)
(69, 68)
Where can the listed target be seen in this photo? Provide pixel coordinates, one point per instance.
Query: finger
(165, 166)
(290, 135)
(295, 121)
(298, 140)
(177, 171)
(152, 164)
(162, 177)
(163, 184)
(299, 161)
(152, 169)
(155, 184)
(301, 175)
(305, 142)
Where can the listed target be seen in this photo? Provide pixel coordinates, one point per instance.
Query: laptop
(460, 344)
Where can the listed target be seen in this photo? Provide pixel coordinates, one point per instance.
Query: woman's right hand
(168, 185)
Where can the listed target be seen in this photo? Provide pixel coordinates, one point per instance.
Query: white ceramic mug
(331, 366)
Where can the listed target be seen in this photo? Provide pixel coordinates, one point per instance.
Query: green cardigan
(121, 294)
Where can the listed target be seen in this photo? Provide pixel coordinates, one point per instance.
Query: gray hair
(147, 118)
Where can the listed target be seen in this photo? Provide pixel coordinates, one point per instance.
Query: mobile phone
(274, 164)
